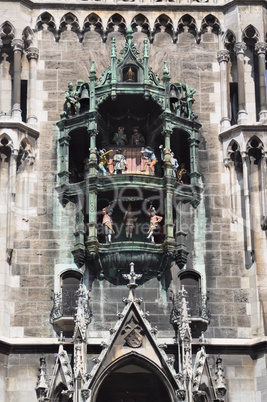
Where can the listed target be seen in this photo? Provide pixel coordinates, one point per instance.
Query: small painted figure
(120, 164)
(103, 162)
(71, 102)
(150, 158)
(154, 221)
(175, 165)
(130, 75)
(137, 138)
(107, 223)
(182, 174)
(120, 137)
(129, 220)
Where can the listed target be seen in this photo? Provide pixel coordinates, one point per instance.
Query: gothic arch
(45, 21)
(70, 20)
(187, 24)
(7, 32)
(116, 22)
(255, 148)
(142, 362)
(140, 23)
(27, 37)
(229, 40)
(250, 35)
(163, 23)
(210, 23)
(93, 23)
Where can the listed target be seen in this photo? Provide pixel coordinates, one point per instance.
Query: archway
(132, 383)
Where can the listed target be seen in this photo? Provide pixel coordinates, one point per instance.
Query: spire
(220, 380)
(129, 35)
(42, 387)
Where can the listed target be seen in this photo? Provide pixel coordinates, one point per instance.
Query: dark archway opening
(132, 384)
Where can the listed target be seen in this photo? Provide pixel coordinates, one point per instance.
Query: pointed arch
(187, 24)
(255, 148)
(163, 23)
(250, 35)
(27, 37)
(140, 23)
(116, 21)
(210, 23)
(134, 359)
(7, 32)
(229, 40)
(93, 23)
(70, 21)
(45, 21)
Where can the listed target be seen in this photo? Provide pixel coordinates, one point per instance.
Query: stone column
(261, 53)
(223, 58)
(240, 48)
(32, 56)
(17, 45)
(247, 217)
(11, 206)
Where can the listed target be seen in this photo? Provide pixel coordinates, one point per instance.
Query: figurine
(150, 158)
(175, 165)
(130, 75)
(129, 222)
(71, 105)
(189, 100)
(103, 163)
(119, 161)
(120, 137)
(137, 138)
(182, 174)
(107, 223)
(154, 220)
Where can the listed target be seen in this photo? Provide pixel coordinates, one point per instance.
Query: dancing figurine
(154, 221)
(103, 162)
(150, 159)
(107, 223)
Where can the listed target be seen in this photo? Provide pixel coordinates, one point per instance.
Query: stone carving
(181, 100)
(133, 334)
(71, 105)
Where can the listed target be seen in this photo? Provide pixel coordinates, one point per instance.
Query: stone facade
(217, 47)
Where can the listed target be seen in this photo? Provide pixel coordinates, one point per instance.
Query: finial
(145, 48)
(165, 70)
(132, 277)
(113, 47)
(129, 34)
(92, 70)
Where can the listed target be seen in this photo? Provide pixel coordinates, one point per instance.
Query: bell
(84, 99)
(173, 95)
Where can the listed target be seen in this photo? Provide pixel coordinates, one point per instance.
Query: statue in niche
(120, 137)
(120, 164)
(130, 75)
(71, 105)
(154, 221)
(107, 223)
(150, 159)
(183, 174)
(129, 220)
(137, 138)
(103, 162)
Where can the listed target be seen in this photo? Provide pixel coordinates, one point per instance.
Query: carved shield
(134, 337)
